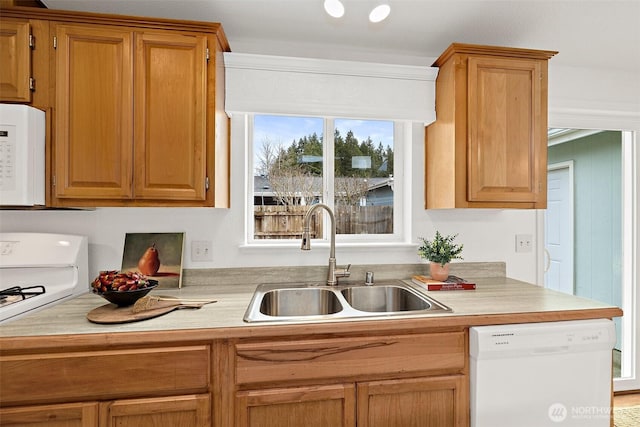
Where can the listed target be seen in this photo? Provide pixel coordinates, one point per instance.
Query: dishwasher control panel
(542, 337)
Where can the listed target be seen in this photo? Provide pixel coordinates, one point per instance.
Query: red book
(453, 283)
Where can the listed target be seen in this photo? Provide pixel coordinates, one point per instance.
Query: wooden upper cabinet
(138, 112)
(94, 112)
(488, 145)
(136, 105)
(15, 56)
(170, 116)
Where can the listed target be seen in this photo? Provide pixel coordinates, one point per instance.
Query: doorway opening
(588, 229)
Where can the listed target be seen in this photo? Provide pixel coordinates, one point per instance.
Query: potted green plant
(439, 252)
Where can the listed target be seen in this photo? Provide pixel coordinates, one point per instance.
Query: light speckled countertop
(497, 300)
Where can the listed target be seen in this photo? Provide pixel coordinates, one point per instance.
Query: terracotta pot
(439, 272)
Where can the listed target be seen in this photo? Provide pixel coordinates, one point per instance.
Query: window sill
(373, 246)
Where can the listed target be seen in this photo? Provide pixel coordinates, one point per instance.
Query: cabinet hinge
(55, 42)
(32, 84)
(206, 183)
(207, 55)
(32, 41)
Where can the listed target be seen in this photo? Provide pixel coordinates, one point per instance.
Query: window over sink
(352, 165)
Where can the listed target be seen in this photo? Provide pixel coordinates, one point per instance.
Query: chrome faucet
(333, 273)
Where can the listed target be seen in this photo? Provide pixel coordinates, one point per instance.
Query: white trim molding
(582, 118)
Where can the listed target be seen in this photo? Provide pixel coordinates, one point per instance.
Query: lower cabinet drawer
(67, 415)
(104, 374)
(352, 357)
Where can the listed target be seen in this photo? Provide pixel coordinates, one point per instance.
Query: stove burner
(18, 293)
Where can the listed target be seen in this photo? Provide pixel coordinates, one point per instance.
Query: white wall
(488, 235)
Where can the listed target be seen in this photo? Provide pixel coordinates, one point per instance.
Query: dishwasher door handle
(551, 350)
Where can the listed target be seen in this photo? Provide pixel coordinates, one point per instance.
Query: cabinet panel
(419, 402)
(170, 105)
(488, 146)
(67, 415)
(504, 130)
(313, 406)
(94, 129)
(349, 357)
(15, 56)
(104, 374)
(183, 411)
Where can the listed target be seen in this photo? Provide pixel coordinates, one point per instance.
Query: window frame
(401, 148)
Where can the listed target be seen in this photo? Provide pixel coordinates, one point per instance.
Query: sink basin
(299, 302)
(314, 301)
(386, 299)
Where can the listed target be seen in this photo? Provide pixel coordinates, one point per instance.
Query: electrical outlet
(201, 250)
(524, 242)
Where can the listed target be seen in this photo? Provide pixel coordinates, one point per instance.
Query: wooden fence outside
(285, 222)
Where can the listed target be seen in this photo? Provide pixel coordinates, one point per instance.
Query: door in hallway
(559, 228)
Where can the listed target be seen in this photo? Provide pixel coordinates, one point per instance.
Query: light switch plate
(201, 250)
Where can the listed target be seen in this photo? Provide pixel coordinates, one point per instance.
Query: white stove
(38, 270)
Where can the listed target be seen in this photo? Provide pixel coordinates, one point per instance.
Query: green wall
(598, 213)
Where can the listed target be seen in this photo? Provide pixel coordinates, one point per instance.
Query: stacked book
(453, 283)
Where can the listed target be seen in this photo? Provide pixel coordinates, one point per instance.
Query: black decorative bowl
(116, 286)
(127, 298)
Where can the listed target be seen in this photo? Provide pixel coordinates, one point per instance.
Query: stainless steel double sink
(312, 301)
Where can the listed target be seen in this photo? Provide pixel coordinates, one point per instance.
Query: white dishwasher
(541, 374)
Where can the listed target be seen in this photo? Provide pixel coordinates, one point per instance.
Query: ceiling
(587, 33)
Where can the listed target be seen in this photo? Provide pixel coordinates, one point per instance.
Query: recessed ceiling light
(380, 13)
(334, 8)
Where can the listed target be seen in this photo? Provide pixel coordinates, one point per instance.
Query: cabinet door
(421, 402)
(15, 56)
(170, 116)
(312, 406)
(506, 120)
(66, 415)
(94, 112)
(183, 411)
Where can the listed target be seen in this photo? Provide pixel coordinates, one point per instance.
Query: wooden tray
(111, 313)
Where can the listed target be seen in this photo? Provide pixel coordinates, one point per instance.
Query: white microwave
(22, 157)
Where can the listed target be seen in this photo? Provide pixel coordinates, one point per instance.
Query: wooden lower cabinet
(183, 411)
(309, 406)
(413, 402)
(105, 386)
(395, 380)
(63, 415)
(313, 380)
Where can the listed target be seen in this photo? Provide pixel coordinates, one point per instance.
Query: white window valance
(329, 88)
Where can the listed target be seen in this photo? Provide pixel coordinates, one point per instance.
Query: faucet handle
(344, 272)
